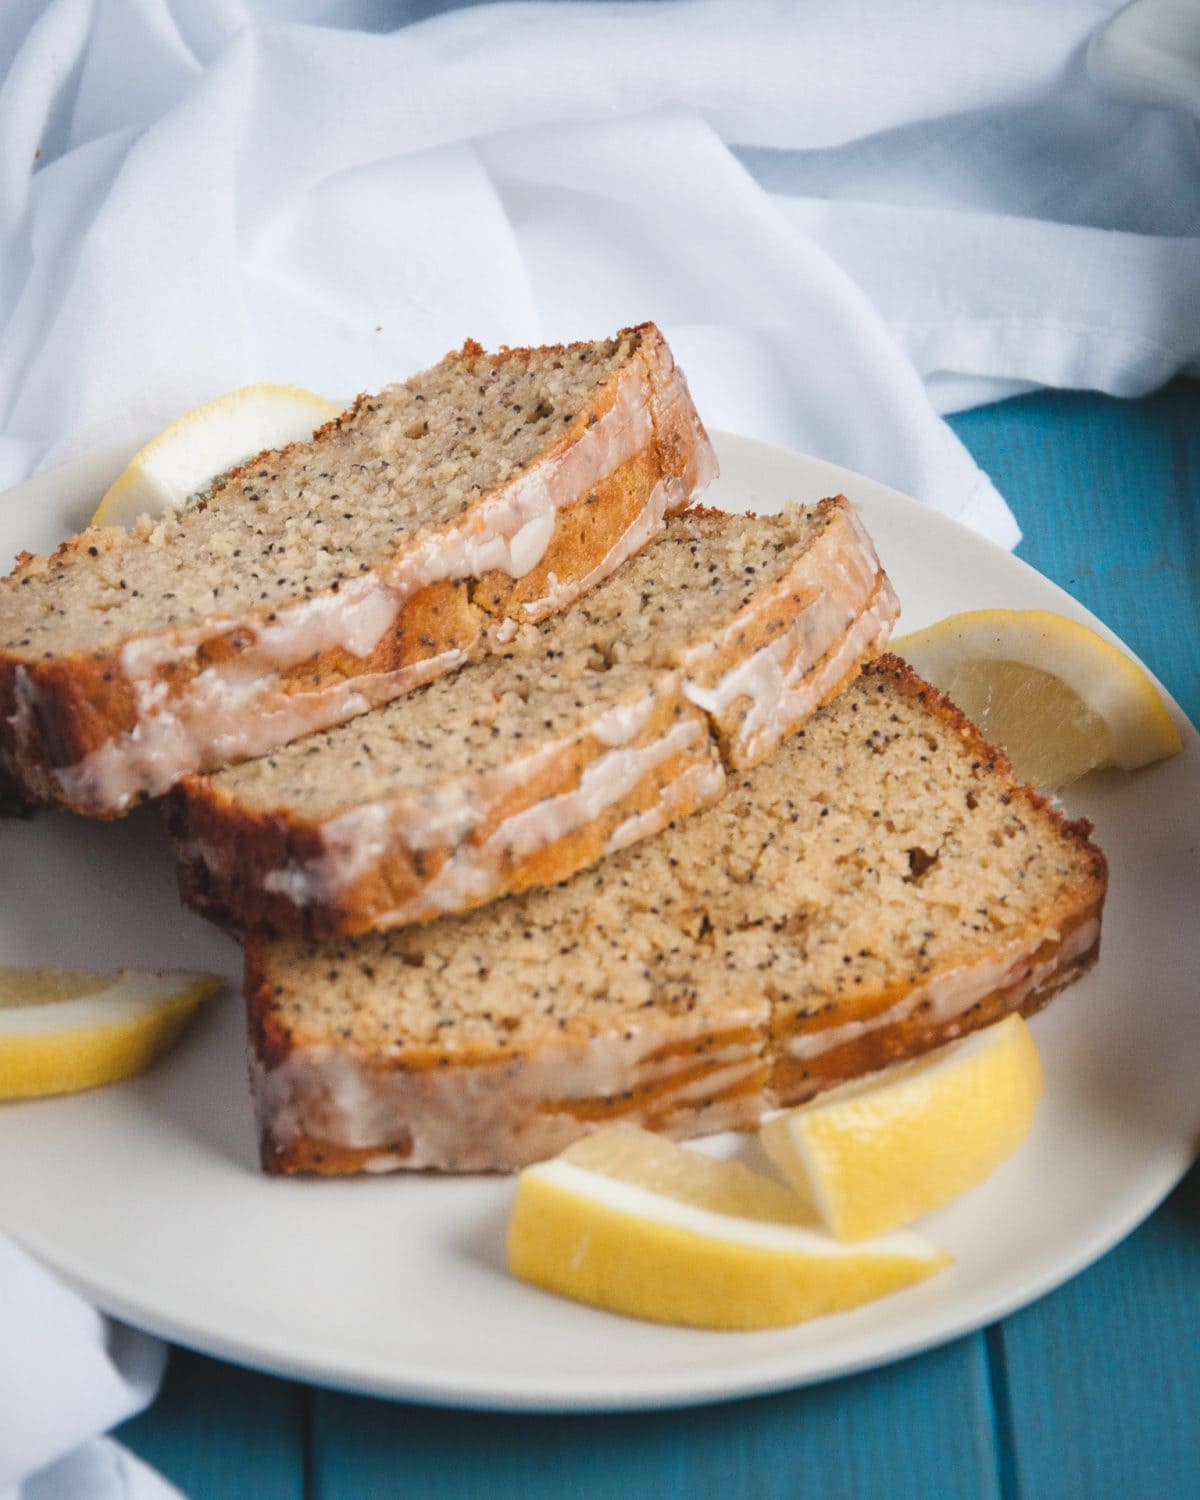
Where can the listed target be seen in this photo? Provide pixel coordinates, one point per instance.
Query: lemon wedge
(66, 1029)
(880, 1152)
(626, 1221)
(208, 441)
(1058, 697)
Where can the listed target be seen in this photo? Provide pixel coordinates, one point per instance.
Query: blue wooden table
(1094, 1392)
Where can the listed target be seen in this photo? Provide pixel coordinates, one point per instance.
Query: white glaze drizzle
(490, 1116)
(607, 780)
(620, 723)
(238, 710)
(667, 496)
(782, 695)
(672, 407)
(300, 884)
(784, 689)
(848, 617)
(708, 1116)
(366, 837)
(22, 721)
(362, 836)
(475, 872)
(499, 1115)
(950, 994)
(699, 786)
(235, 714)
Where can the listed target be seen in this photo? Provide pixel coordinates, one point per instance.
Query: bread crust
(477, 1090)
(733, 1066)
(235, 880)
(100, 732)
(279, 873)
(898, 1023)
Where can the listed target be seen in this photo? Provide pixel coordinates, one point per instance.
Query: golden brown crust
(651, 1107)
(662, 1081)
(794, 1080)
(891, 1024)
(55, 713)
(584, 532)
(250, 846)
(234, 861)
(270, 1038)
(991, 757)
(779, 1081)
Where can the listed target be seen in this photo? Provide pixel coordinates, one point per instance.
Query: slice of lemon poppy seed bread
(328, 578)
(593, 730)
(877, 887)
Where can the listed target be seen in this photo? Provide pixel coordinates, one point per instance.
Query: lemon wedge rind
(61, 1045)
(878, 1153)
(208, 441)
(1125, 722)
(627, 1248)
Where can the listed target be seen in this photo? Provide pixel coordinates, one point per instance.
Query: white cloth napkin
(848, 218)
(65, 1375)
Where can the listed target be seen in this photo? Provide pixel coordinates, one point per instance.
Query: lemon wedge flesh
(65, 1029)
(626, 1221)
(880, 1152)
(204, 443)
(1054, 694)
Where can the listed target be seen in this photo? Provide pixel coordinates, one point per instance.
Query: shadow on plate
(200, 1089)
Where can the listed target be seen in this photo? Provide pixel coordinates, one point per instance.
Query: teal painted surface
(922, 1428)
(218, 1431)
(1104, 1375)
(1094, 1392)
(1108, 496)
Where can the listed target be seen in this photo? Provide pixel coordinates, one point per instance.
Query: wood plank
(1104, 1375)
(1098, 1386)
(217, 1430)
(1108, 495)
(922, 1427)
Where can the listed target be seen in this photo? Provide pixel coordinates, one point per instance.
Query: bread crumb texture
(294, 523)
(881, 846)
(550, 680)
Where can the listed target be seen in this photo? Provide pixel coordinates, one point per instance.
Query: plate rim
(612, 1394)
(659, 1390)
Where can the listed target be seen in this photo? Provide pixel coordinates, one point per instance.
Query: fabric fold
(66, 1375)
(847, 220)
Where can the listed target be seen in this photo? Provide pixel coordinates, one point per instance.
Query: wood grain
(221, 1432)
(1092, 1392)
(922, 1428)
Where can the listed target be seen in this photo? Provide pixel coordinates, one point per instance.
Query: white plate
(148, 1197)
